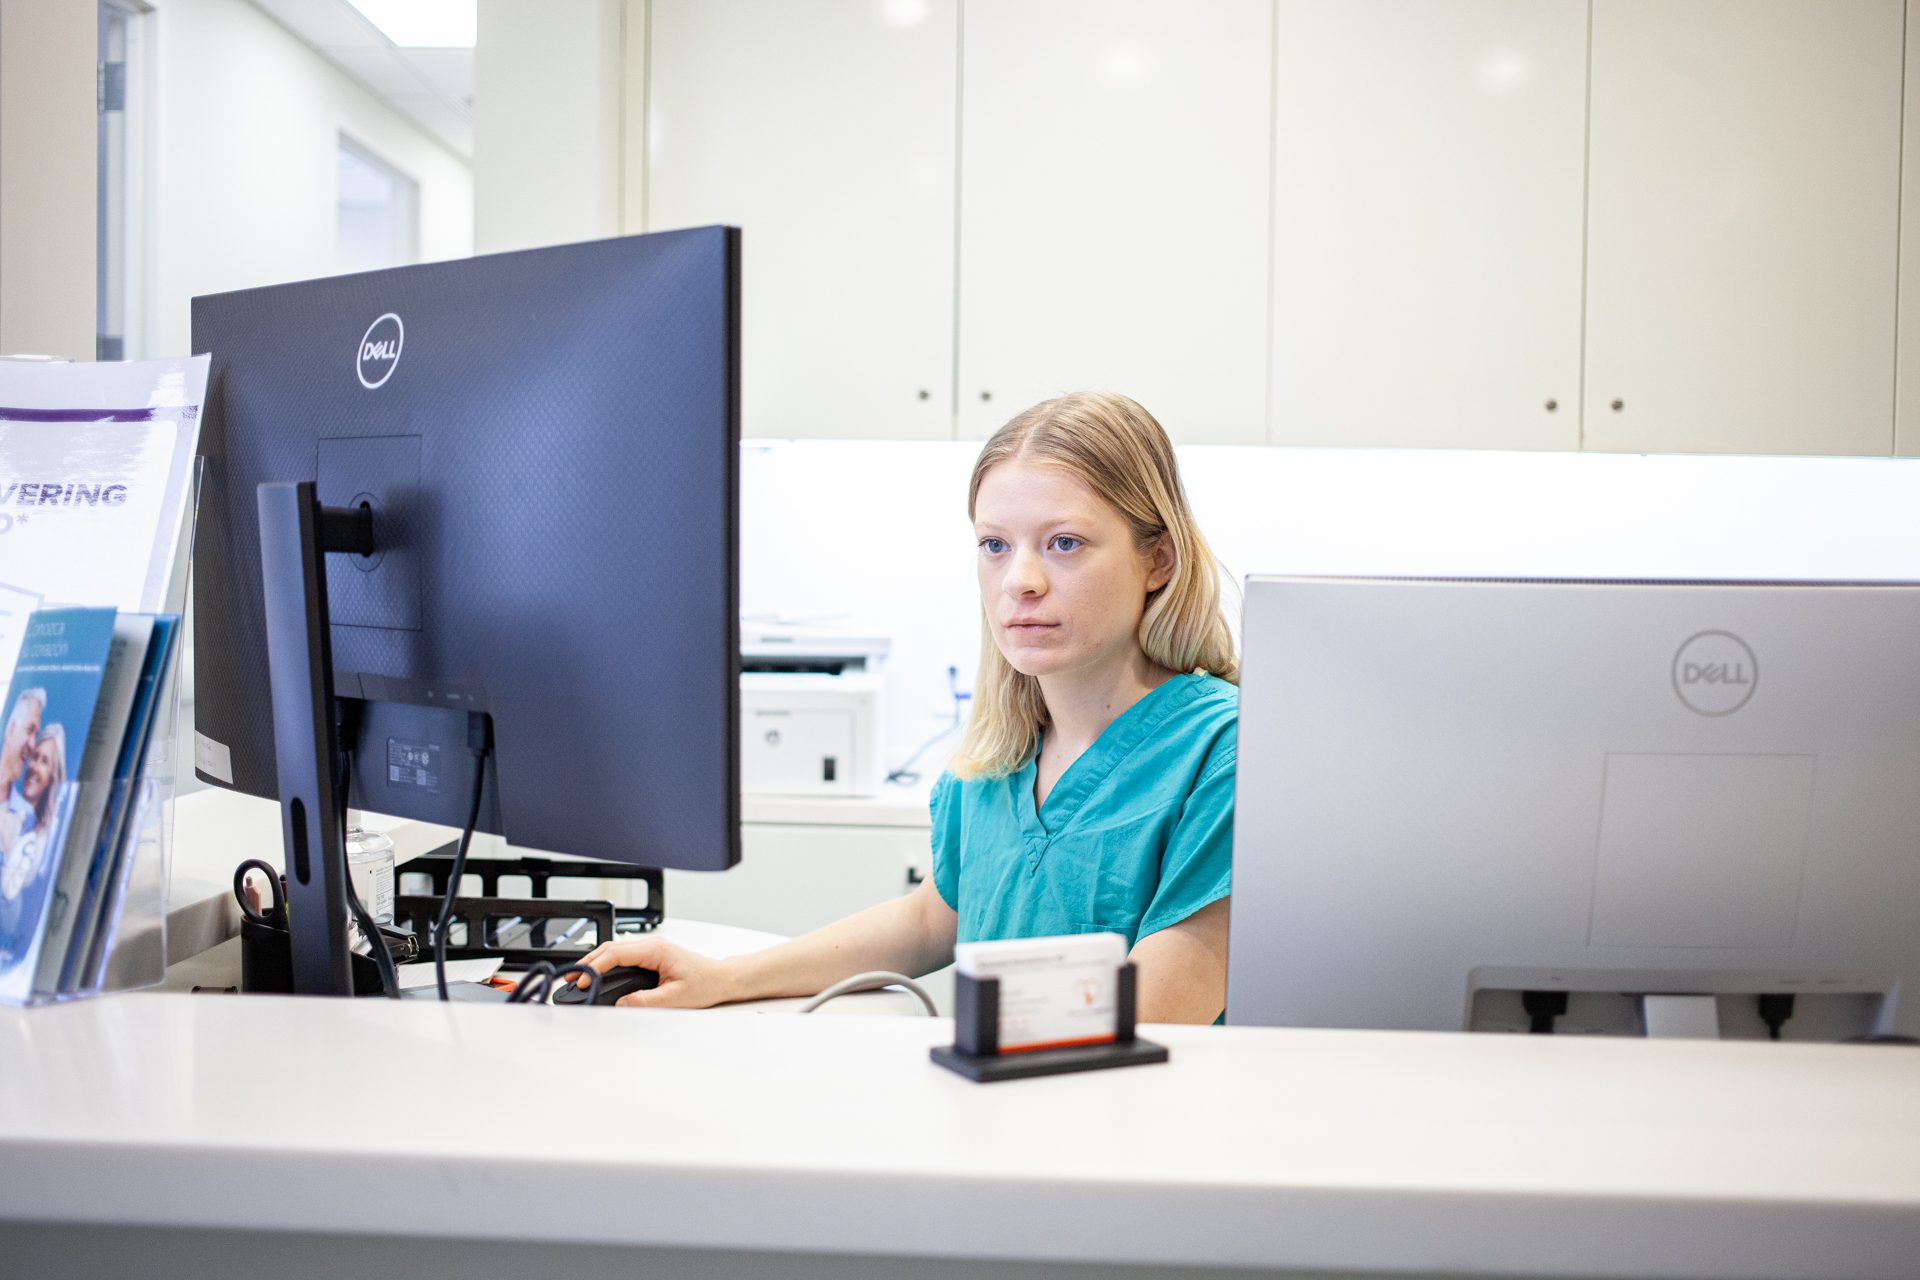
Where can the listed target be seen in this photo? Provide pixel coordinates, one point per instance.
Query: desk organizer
(524, 931)
(975, 1051)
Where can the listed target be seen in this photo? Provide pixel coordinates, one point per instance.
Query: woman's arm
(1183, 969)
(912, 935)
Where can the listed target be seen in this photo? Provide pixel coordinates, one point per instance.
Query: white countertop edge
(880, 1212)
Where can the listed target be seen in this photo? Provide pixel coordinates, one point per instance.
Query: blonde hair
(1120, 452)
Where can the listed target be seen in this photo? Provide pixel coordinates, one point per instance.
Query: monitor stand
(296, 533)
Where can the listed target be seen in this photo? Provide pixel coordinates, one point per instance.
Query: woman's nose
(1025, 576)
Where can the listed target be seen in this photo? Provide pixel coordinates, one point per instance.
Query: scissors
(275, 916)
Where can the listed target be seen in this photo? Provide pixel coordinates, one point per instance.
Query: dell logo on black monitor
(1715, 673)
(379, 351)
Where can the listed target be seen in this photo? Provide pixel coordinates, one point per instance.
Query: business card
(1054, 992)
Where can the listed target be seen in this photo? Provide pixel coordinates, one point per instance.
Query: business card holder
(976, 1054)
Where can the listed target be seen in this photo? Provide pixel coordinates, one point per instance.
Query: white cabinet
(825, 131)
(1428, 197)
(1742, 225)
(794, 878)
(1113, 209)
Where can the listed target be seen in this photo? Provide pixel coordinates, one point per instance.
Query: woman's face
(39, 771)
(22, 725)
(1061, 580)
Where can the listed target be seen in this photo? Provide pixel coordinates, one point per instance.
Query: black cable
(369, 927)
(1541, 1008)
(537, 984)
(1774, 1011)
(480, 742)
(534, 984)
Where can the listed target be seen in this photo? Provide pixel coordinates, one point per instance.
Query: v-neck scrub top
(1135, 836)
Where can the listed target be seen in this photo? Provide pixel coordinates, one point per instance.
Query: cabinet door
(1113, 209)
(825, 131)
(1743, 207)
(1428, 197)
(794, 879)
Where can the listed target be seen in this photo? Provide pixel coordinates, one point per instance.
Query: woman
(1094, 787)
(46, 775)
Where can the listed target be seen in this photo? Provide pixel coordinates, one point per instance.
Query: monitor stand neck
(296, 533)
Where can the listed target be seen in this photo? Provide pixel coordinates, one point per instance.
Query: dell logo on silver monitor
(1715, 673)
(379, 351)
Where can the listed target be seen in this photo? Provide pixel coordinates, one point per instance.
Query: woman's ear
(1160, 567)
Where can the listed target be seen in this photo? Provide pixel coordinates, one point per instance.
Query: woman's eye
(1066, 542)
(992, 546)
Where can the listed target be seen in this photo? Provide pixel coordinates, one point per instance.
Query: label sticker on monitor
(212, 758)
(413, 764)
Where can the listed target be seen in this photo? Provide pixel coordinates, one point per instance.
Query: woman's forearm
(912, 934)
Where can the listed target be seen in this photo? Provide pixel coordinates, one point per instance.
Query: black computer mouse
(614, 983)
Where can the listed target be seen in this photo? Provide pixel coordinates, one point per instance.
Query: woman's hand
(688, 980)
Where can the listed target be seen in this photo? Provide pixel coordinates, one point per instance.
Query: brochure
(100, 893)
(96, 477)
(50, 710)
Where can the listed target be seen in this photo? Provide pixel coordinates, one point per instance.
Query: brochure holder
(975, 1052)
(127, 946)
(118, 918)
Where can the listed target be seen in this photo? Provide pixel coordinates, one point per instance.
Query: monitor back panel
(550, 443)
(1629, 787)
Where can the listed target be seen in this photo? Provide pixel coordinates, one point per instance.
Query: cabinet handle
(986, 395)
(1552, 405)
(926, 395)
(914, 875)
(1618, 405)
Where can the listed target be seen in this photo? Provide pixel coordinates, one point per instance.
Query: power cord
(537, 984)
(1542, 1008)
(1774, 1011)
(480, 742)
(871, 981)
(369, 927)
(905, 775)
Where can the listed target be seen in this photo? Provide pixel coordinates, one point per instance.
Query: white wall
(247, 123)
(548, 119)
(48, 143)
(873, 536)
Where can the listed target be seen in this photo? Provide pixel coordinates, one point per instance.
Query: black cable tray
(489, 916)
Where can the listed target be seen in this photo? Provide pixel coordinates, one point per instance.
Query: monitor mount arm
(296, 533)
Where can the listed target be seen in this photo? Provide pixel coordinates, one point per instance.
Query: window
(379, 224)
(120, 245)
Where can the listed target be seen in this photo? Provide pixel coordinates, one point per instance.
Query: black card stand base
(975, 1051)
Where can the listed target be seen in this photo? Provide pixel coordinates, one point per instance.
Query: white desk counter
(1292, 1151)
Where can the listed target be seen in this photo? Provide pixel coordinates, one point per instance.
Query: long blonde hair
(1120, 452)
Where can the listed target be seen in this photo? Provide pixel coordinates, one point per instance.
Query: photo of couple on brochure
(35, 763)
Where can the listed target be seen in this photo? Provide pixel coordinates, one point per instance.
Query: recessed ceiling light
(422, 24)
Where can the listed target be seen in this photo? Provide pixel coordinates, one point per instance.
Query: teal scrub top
(1135, 836)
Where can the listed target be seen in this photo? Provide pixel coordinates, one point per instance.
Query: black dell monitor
(545, 447)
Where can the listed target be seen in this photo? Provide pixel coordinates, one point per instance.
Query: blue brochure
(49, 712)
(94, 921)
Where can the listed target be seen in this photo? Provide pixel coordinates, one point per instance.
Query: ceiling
(431, 87)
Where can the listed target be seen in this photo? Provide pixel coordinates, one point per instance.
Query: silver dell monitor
(1580, 806)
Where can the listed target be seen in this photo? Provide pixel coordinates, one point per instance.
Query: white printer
(812, 705)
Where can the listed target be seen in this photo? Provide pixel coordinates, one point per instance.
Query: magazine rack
(128, 949)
